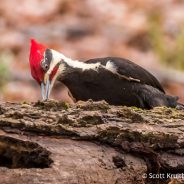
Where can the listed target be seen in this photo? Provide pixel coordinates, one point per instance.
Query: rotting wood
(88, 142)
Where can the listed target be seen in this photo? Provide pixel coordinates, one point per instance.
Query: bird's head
(44, 64)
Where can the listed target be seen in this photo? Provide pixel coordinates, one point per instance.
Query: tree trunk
(90, 142)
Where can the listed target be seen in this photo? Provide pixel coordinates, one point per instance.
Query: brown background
(148, 32)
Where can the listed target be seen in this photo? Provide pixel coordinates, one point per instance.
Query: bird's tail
(180, 106)
(172, 101)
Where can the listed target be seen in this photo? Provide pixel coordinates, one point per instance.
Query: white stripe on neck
(57, 57)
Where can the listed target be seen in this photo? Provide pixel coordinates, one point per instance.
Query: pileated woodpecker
(116, 80)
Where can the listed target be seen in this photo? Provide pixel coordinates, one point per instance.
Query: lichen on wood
(92, 142)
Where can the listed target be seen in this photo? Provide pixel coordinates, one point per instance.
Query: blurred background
(148, 32)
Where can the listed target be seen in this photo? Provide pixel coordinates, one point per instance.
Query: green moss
(24, 103)
(136, 108)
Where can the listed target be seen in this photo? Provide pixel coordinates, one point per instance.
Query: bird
(116, 80)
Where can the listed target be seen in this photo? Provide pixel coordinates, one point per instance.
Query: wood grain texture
(88, 142)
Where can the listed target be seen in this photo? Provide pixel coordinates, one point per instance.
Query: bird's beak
(45, 87)
(42, 90)
(47, 84)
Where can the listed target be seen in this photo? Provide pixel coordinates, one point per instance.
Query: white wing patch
(82, 65)
(111, 66)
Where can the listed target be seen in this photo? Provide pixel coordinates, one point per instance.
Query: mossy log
(89, 142)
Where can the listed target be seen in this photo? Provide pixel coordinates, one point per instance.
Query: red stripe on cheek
(54, 71)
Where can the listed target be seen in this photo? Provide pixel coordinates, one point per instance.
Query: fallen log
(90, 142)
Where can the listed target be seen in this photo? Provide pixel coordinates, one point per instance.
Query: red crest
(36, 56)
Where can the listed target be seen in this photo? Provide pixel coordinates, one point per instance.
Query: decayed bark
(89, 142)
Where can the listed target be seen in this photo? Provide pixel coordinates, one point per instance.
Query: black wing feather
(130, 69)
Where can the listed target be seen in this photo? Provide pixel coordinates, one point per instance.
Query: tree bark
(90, 142)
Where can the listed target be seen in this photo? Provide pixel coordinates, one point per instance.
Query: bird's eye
(44, 65)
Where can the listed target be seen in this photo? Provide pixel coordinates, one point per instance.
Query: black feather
(106, 85)
(130, 69)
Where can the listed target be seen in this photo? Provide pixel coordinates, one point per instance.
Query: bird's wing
(130, 70)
